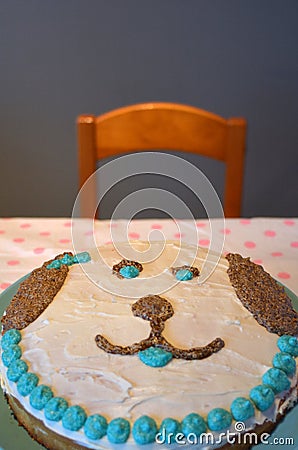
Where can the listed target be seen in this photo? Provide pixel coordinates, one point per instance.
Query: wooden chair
(164, 126)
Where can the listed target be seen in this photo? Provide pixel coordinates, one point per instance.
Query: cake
(146, 345)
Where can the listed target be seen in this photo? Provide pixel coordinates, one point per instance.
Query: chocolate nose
(152, 307)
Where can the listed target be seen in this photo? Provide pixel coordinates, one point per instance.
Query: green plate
(13, 437)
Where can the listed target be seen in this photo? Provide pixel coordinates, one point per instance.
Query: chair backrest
(164, 126)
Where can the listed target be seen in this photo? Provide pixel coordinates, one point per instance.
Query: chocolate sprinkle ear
(34, 295)
(262, 296)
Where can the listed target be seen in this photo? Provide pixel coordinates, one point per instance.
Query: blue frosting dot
(193, 423)
(155, 357)
(67, 259)
(219, 419)
(118, 430)
(262, 396)
(11, 337)
(95, 427)
(40, 396)
(285, 362)
(26, 384)
(74, 418)
(184, 275)
(56, 264)
(276, 379)
(12, 353)
(82, 257)
(288, 344)
(129, 271)
(16, 370)
(242, 408)
(144, 430)
(169, 428)
(55, 408)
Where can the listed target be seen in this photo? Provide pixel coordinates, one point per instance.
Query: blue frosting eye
(118, 430)
(285, 362)
(95, 427)
(219, 419)
(55, 408)
(129, 272)
(144, 430)
(74, 418)
(155, 357)
(277, 380)
(184, 275)
(288, 344)
(242, 409)
(262, 396)
(193, 423)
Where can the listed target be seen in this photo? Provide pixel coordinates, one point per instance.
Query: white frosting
(59, 346)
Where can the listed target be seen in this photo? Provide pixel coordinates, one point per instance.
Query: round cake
(144, 345)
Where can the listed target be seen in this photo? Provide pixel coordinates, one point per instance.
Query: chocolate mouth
(157, 310)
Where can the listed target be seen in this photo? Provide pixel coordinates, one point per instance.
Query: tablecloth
(25, 243)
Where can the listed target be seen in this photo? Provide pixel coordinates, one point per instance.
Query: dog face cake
(117, 349)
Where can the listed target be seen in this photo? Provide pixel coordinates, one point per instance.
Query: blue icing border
(242, 408)
(288, 344)
(11, 354)
(95, 427)
(40, 396)
(16, 370)
(276, 379)
(74, 418)
(55, 408)
(169, 428)
(285, 362)
(193, 423)
(262, 397)
(144, 428)
(118, 430)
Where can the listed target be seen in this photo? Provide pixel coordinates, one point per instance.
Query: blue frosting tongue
(129, 272)
(155, 357)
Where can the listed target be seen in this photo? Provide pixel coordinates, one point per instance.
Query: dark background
(62, 58)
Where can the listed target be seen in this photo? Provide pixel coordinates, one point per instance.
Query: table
(25, 243)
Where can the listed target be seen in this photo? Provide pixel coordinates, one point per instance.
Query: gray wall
(62, 58)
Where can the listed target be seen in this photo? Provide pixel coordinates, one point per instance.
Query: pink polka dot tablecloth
(25, 243)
